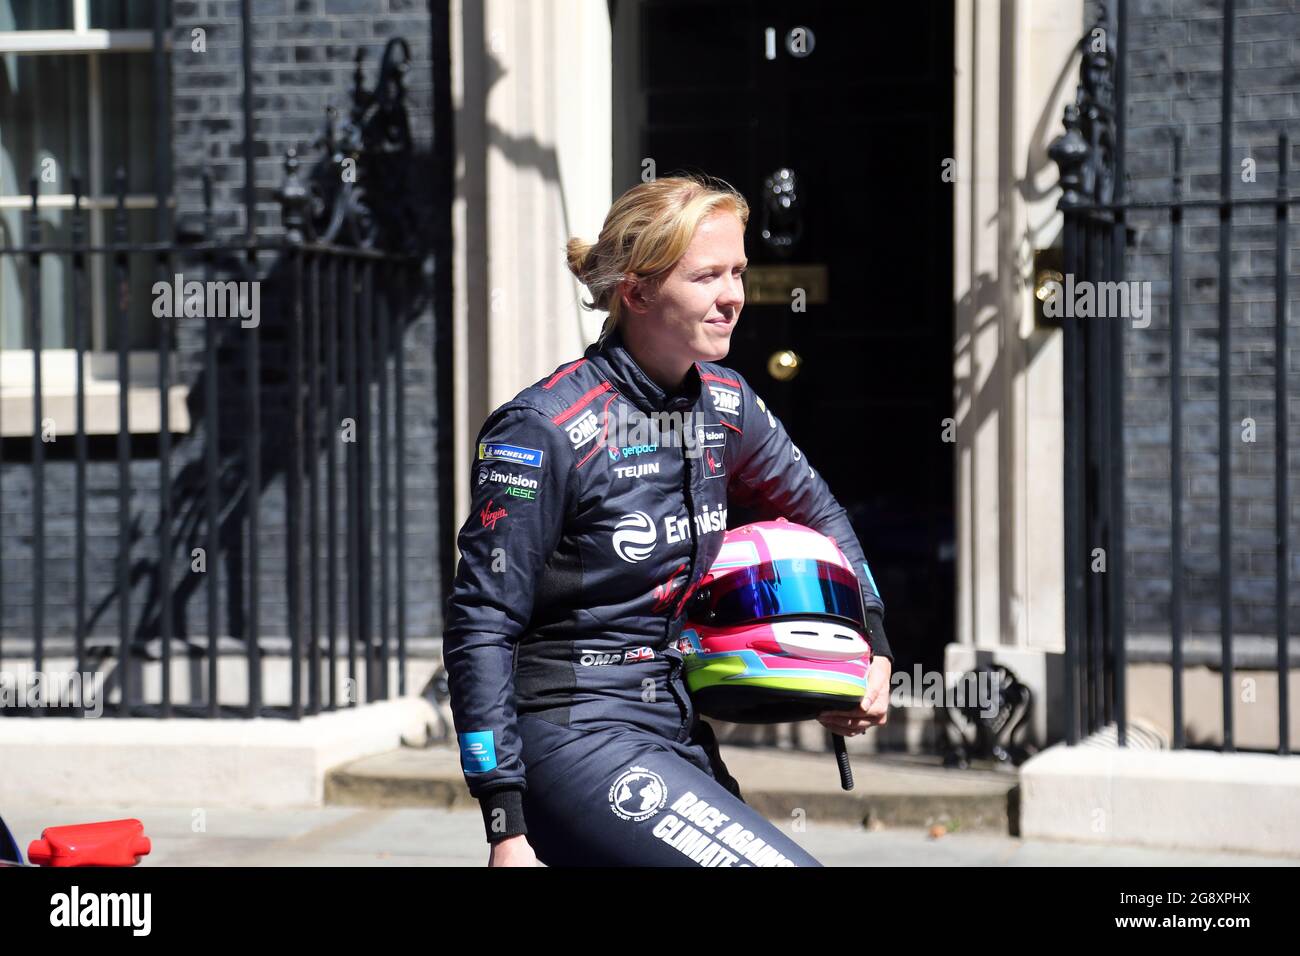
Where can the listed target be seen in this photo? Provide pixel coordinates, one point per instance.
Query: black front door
(834, 120)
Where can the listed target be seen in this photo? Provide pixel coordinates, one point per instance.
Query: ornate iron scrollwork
(1085, 152)
(997, 735)
(358, 195)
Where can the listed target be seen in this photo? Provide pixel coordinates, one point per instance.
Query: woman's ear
(634, 294)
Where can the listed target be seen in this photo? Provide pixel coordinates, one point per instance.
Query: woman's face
(693, 313)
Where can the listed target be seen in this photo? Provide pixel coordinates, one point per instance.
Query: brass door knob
(784, 365)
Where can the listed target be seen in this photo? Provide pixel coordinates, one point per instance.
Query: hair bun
(578, 252)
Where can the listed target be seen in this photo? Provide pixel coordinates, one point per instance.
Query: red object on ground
(111, 843)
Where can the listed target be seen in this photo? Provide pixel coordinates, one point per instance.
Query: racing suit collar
(617, 364)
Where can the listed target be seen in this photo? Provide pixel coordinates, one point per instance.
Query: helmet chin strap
(842, 758)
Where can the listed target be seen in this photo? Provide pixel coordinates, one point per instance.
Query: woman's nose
(734, 292)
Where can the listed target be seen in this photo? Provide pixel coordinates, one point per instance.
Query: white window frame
(58, 366)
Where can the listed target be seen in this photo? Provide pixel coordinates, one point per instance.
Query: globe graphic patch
(637, 794)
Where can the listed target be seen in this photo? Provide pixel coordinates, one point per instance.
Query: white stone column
(531, 94)
(1016, 68)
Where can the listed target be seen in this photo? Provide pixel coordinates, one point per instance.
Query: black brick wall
(303, 60)
(1174, 60)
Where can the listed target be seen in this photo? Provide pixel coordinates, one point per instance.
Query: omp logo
(600, 658)
(591, 658)
(584, 429)
(635, 537)
(725, 400)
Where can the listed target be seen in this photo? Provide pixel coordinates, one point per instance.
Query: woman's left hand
(872, 710)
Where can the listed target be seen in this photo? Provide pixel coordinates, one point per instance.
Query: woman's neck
(666, 370)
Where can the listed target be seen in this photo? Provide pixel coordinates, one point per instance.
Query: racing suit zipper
(674, 655)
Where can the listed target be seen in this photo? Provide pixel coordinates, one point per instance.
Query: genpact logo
(635, 537)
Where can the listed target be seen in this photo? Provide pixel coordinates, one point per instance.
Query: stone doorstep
(776, 783)
(1184, 799)
(142, 762)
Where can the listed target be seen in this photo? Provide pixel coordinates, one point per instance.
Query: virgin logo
(666, 592)
(491, 516)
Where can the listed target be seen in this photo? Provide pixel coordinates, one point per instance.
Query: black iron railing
(340, 285)
(1096, 228)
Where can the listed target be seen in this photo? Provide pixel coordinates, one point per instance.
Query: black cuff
(503, 814)
(876, 635)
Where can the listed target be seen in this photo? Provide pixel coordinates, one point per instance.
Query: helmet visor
(794, 587)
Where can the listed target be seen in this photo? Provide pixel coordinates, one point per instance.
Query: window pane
(123, 14)
(43, 122)
(36, 15)
(128, 119)
(55, 278)
(142, 326)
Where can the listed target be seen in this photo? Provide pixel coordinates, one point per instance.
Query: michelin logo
(492, 451)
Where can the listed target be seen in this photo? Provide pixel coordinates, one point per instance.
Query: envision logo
(635, 537)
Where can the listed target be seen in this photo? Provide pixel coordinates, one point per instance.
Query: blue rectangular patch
(491, 451)
(478, 751)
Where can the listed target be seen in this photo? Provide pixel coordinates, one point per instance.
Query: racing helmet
(776, 630)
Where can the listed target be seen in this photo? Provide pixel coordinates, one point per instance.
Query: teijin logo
(200, 300)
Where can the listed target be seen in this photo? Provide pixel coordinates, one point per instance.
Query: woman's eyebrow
(710, 267)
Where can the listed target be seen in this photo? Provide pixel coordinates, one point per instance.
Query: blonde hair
(646, 232)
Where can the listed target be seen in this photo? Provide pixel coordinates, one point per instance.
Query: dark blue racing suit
(598, 502)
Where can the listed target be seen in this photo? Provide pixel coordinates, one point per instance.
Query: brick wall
(303, 60)
(1174, 58)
